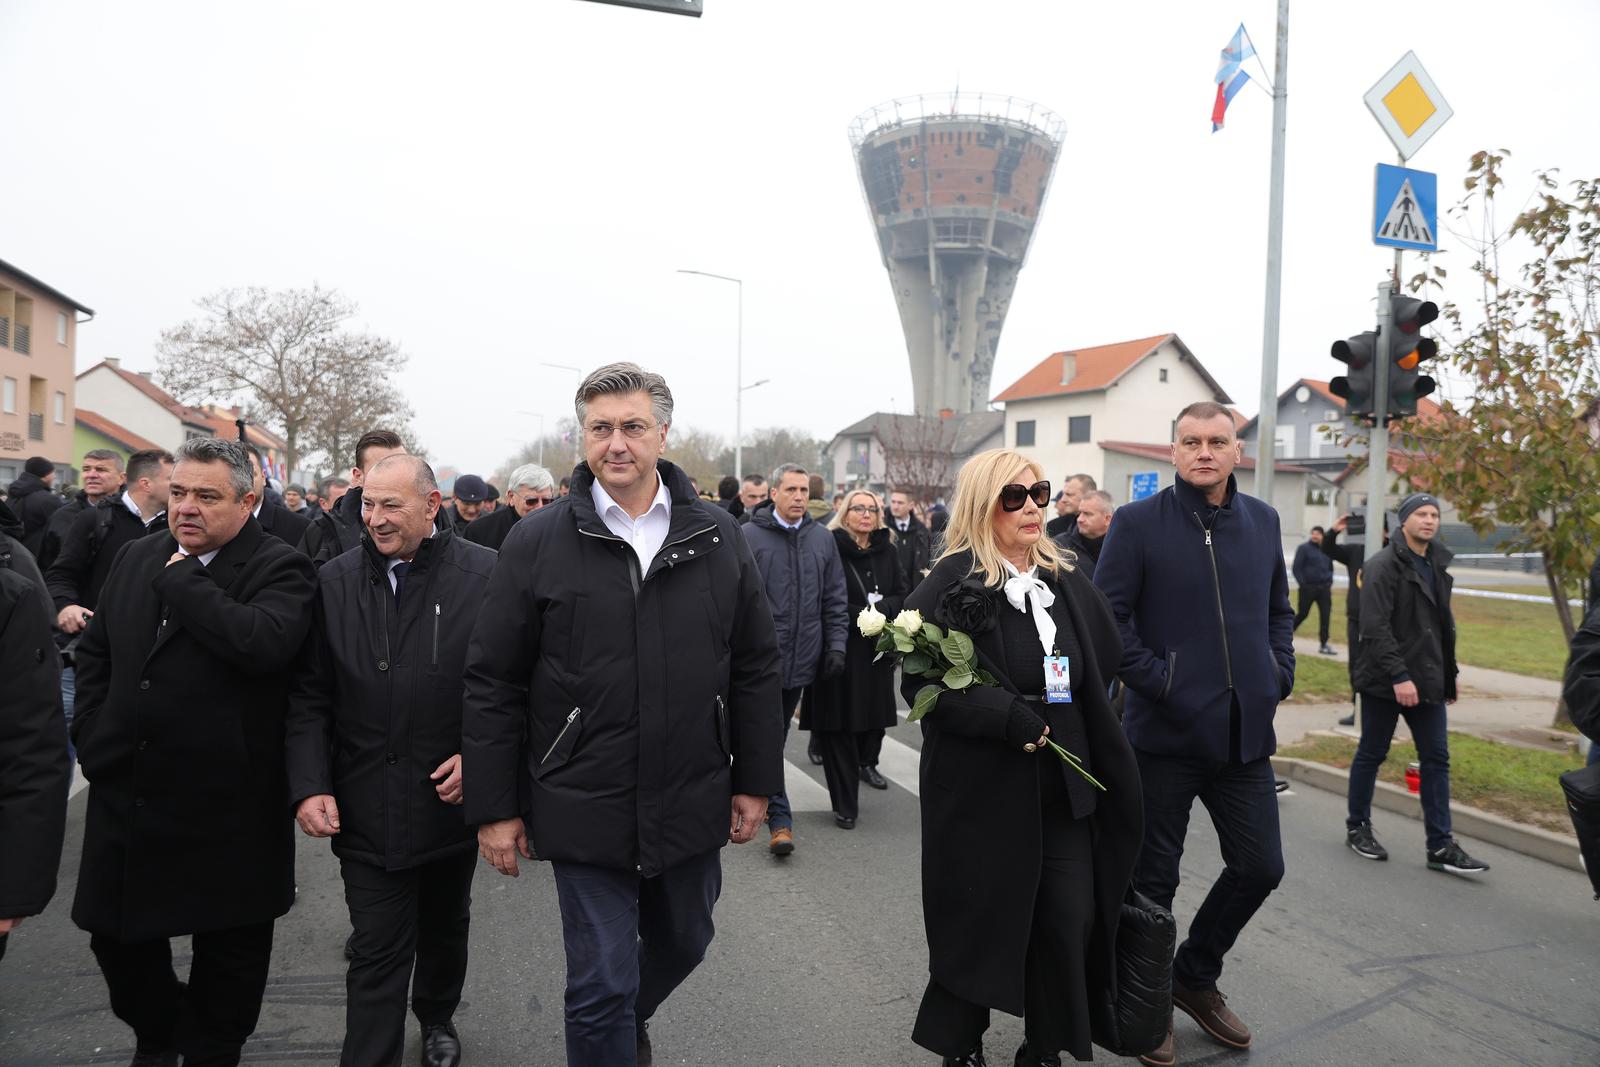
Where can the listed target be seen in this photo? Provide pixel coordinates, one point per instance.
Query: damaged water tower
(955, 184)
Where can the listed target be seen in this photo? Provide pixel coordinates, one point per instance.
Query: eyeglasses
(1013, 496)
(602, 431)
(862, 509)
(535, 501)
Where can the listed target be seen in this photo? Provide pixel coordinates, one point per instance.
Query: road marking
(898, 762)
(805, 794)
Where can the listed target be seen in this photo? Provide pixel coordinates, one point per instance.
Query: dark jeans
(207, 1020)
(869, 744)
(405, 921)
(69, 695)
(630, 941)
(1352, 636)
(1322, 597)
(778, 813)
(1427, 723)
(1242, 800)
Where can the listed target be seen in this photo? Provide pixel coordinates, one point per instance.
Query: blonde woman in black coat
(1024, 864)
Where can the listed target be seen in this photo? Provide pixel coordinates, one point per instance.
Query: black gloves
(832, 665)
(1023, 726)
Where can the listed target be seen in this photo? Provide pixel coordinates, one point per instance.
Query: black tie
(399, 573)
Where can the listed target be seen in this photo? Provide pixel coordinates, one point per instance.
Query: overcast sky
(503, 183)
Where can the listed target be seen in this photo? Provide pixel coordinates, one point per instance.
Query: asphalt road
(819, 959)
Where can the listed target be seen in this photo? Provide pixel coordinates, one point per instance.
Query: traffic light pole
(1378, 442)
(1267, 420)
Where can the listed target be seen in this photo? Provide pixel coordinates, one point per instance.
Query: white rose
(909, 621)
(870, 622)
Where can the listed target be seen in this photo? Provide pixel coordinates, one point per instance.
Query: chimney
(1069, 367)
(145, 375)
(114, 362)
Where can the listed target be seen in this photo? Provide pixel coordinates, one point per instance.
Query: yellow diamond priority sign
(1408, 105)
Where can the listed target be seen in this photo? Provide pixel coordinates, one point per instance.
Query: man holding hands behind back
(622, 696)
(374, 759)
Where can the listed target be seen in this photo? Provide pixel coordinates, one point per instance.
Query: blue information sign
(1405, 211)
(1143, 484)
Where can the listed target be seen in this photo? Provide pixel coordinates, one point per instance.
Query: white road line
(899, 763)
(805, 793)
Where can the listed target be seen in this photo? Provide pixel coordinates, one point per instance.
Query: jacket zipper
(436, 633)
(571, 715)
(1216, 585)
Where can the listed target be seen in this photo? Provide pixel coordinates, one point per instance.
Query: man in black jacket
(1313, 574)
(1195, 577)
(1581, 685)
(32, 498)
(1353, 555)
(532, 488)
(622, 697)
(183, 679)
(912, 541)
(33, 754)
(101, 472)
(336, 529)
(374, 738)
(1408, 668)
(275, 519)
(467, 502)
(1088, 534)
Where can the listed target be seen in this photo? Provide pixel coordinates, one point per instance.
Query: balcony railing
(5, 331)
(24, 338)
(35, 426)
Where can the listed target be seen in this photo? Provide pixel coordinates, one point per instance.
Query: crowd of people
(600, 671)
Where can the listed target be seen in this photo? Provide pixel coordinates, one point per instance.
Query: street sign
(1408, 105)
(1143, 484)
(1405, 209)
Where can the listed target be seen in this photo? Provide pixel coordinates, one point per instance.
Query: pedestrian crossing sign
(1405, 211)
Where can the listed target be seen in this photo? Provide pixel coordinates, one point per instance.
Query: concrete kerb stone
(1528, 840)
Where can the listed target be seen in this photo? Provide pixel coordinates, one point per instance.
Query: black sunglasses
(1013, 496)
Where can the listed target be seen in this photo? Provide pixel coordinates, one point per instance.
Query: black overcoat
(862, 698)
(619, 711)
(491, 530)
(182, 687)
(377, 704)
(981, 846)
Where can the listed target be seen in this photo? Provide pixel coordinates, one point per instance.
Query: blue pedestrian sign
(1143, 484)
(1405, 211)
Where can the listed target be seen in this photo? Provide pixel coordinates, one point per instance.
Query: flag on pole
(1231, 75)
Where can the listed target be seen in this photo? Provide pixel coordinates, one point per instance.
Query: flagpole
(1267, 421)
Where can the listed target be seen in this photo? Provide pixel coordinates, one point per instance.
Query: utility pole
(1267, 420)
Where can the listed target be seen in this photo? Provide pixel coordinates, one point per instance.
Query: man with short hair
(803, 578)
(531, 487)
(275, 519)
(912, 541)
(1313, 574)
(381, 689)
(183, 680)
(491, 499)
(1066, 519)
(338, 528)
(1196, 580)
(728, 495)
(102, 477)
(622, 713)
(33, 499)
(752, 491)
(1352, 554)
(1088, 535)
(1408, 669)
(467, 499)
(564, 485)
(294, 499)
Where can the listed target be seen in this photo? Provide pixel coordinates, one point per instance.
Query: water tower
(954, 183)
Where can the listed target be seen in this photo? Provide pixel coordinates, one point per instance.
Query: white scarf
(1026, 592)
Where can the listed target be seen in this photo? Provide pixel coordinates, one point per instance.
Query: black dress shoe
(165, 1058)
(1027, 1057)
(644, 1055)
(871, 776)
(969, 1059)
(844, 822)
(440, 1046)
(812, 752)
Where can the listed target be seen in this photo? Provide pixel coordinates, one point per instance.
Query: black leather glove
(832, 665)
(1023, 726)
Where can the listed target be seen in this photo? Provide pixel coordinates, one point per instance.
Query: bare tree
(557, 452)
(286, 358)
(919, 455)
(766, 448)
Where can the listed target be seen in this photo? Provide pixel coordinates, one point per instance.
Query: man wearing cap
(32, 498)
(531, 488)
(467, 502)
(1408, 668)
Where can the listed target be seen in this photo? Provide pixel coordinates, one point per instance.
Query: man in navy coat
(1196, 579)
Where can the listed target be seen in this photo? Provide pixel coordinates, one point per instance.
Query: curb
(1528, 840)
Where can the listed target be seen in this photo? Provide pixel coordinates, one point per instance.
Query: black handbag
(1582, 789)
(1133, 1020)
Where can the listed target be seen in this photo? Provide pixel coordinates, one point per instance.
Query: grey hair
(115, 458)
(532, 476)
(217, 450)
(754, 479)
(789, 468)
(625, 378)
(1100, 495)
(425, 481)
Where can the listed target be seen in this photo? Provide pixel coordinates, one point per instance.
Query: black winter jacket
(34, 770)
(804, 583)
(620, 712)
(376, 707)
(33, 503)
(1353, 555)
(91, 544)
(1581, 688)
(334, 531)
(914, 549)
(287, 526)
(1407, 632)
(55, 531)
(1202, 604)
(1312, 566)
(491, 530)
(14, 556)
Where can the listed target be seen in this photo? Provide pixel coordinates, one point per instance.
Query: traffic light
(1409, 348)
(1360, 354)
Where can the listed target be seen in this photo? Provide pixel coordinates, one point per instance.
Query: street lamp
(537, 415)
(738, 374)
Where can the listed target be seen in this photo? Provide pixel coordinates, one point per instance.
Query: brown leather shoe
(1209, 1008)
(1162, 1055)
(782, 843)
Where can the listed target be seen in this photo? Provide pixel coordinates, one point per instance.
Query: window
(1025, 434)
(61, 408)
(1163, 374)
(1078, 430)
(61, 328)
(1283, 443)
(8, 396)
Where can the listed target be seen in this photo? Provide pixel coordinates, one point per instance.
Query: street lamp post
(578, 442)
(540, 417)
(738, 374)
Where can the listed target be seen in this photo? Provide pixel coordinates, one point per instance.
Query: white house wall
(105, 392)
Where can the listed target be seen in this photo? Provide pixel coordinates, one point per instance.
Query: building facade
(920, 455)
(38, 348)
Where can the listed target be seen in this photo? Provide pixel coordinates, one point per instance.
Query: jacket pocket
(1172, 669)
(561, 749)
(724, 733)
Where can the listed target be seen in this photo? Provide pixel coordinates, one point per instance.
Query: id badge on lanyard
(1057, 680)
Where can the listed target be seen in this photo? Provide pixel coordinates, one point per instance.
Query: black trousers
(1055, 976)
(841, 765)
(410, 931)
(869, 745)
(1322, 597)
(209, 1019)
(1352, 634)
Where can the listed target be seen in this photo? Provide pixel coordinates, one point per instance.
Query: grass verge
(1516, 783)
(1319, 680)
(1503, 634)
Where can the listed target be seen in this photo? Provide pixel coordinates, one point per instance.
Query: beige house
(38, 346)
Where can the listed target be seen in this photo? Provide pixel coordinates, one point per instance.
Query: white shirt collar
(205, 557)
(787, 525)
(257, 511)
(127, 502)
(646, 534)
